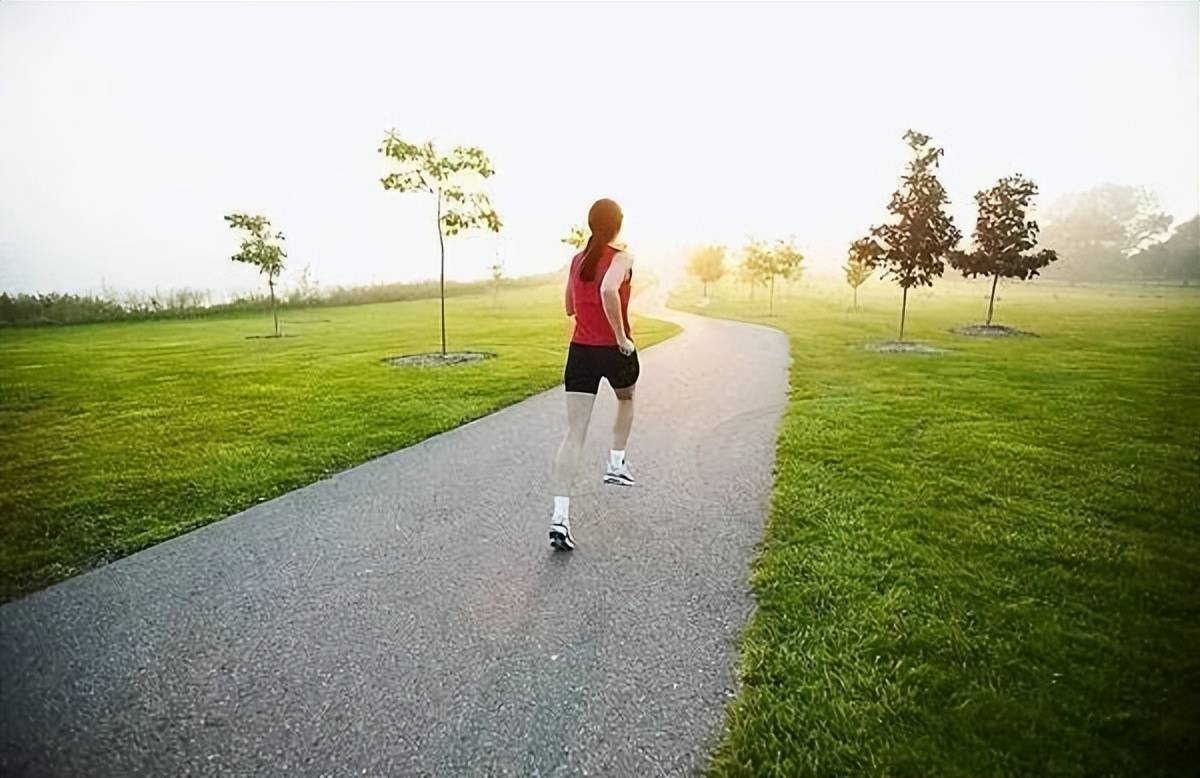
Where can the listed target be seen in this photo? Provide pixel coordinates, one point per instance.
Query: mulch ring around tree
(992, 331)
(438, 359)
(903, 347)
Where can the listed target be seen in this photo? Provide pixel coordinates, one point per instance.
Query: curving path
(407, 617)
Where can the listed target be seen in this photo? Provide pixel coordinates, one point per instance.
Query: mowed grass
(983, 562)
(118, 436)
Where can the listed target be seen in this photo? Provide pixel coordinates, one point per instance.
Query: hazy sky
(126, 131)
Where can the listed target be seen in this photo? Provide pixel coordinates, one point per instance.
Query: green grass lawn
(982, 562)
(118, 436)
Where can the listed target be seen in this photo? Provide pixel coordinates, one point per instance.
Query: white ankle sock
(616, 457)
(562, 507)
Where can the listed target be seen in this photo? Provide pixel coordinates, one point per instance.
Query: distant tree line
(1175, 259)
(55, 308)
(1116, 233)
(761, 264)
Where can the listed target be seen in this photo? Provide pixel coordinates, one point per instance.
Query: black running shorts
(586, 365)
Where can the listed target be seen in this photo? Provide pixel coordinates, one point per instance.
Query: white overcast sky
(127, 130)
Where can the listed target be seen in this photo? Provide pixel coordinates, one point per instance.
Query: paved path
(407, 617)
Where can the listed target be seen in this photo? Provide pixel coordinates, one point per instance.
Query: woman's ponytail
(604, 219)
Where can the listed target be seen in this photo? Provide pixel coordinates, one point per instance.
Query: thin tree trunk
(442, 246)
(705, 290)
(903, 310)
(856, 298)
(992, 299)
(771, 299)
(274, 315)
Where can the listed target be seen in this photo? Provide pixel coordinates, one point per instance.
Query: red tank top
(591, 324)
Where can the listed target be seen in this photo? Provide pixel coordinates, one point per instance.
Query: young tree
(858, 267)
(260, 248)
(755, 264)
(788, 264)
(497, 274)
(577, 237)
(914, 247)
(765, 264)
(745, 275)
(307, 289)
(708, 265)
(446, 177)
(1003, 236)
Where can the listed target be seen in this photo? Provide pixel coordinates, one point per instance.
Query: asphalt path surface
(408, 617)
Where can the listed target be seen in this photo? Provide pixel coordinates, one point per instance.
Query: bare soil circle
(991, 331)
(903, 347)
(438, 359)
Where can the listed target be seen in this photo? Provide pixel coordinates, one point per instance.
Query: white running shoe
(619, 475)
(560, 535)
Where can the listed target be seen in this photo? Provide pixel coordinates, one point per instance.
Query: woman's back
(591, 323)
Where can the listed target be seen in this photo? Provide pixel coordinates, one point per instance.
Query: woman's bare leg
(566, 463)
(624, 422)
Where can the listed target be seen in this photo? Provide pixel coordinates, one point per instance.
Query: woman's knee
(574, 436)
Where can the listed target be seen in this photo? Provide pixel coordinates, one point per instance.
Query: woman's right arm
(569, 299)
(610, 298)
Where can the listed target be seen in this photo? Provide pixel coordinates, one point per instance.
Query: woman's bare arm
(610, 296)
(569, 299)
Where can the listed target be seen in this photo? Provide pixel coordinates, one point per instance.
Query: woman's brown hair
(604, 220)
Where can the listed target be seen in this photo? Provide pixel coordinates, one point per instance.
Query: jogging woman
(597, 295)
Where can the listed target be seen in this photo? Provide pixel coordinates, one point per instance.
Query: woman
(597, 295)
